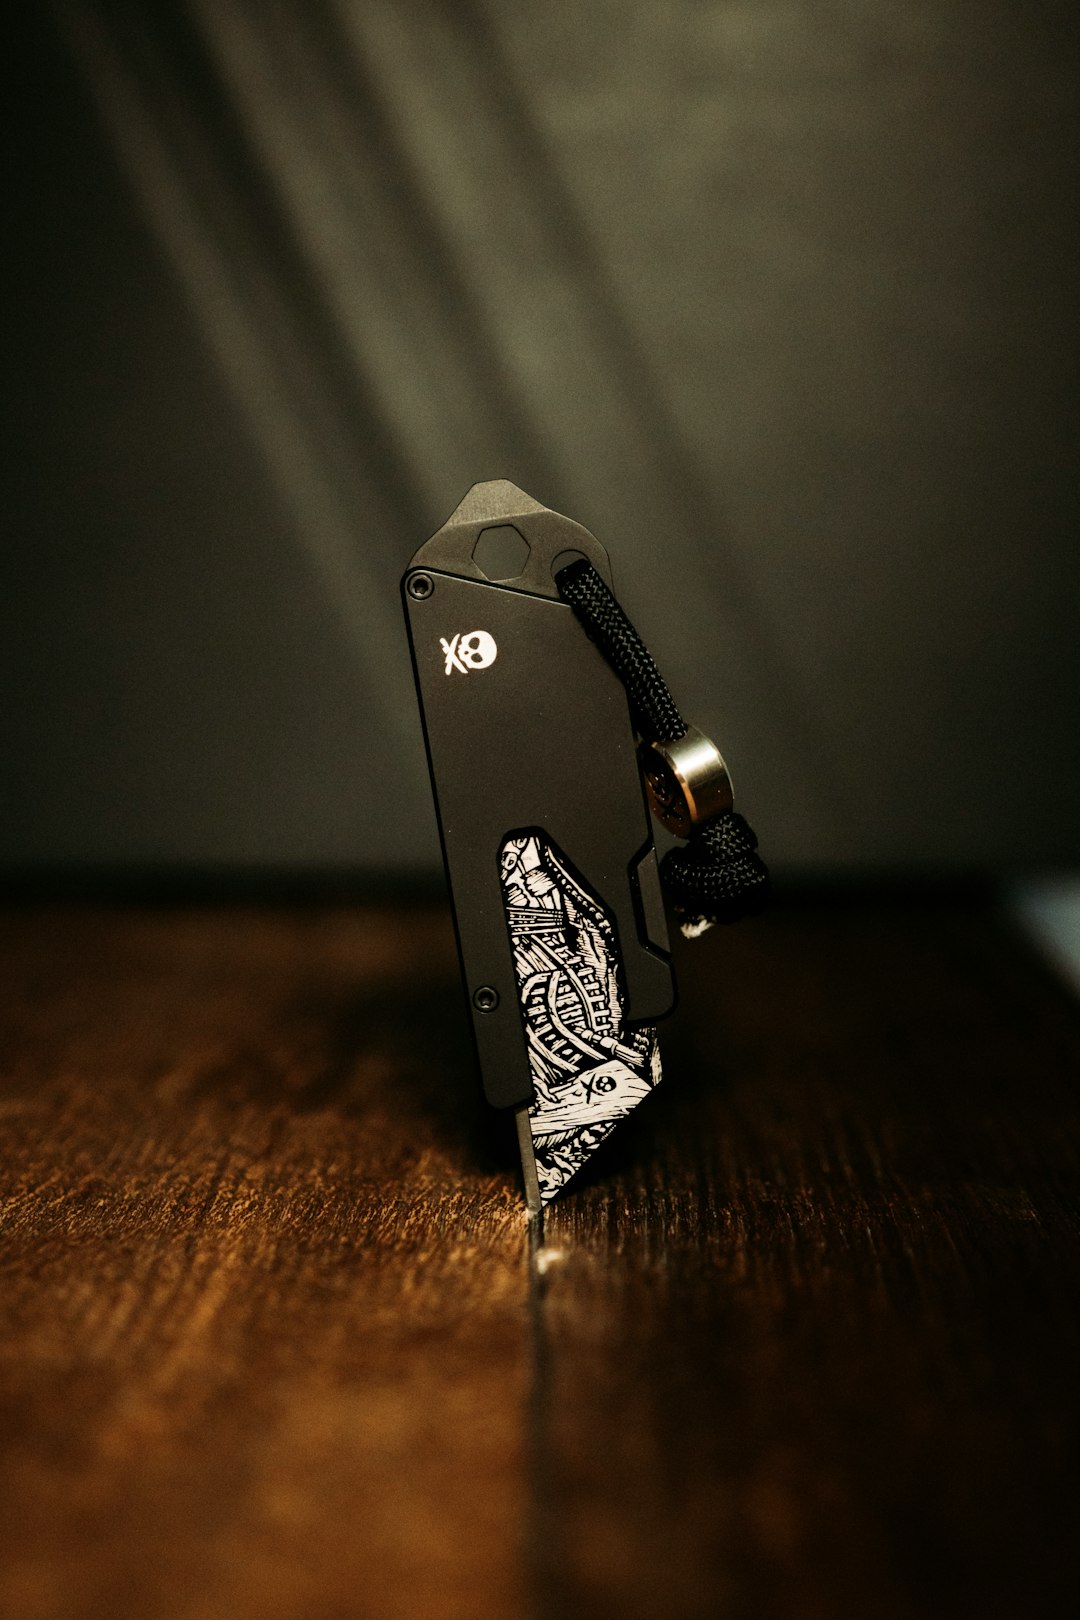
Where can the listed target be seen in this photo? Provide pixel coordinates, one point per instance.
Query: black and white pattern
(588, 1071)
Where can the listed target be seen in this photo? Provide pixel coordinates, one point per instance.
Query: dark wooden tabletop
(279, 1344)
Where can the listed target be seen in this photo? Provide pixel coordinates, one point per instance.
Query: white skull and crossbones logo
(474, 650)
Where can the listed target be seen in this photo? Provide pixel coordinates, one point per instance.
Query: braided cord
(717, 876)
(655, 710)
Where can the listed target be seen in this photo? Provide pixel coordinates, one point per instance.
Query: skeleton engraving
(587, 1070)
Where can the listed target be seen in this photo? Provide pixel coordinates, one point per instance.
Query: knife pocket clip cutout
(549, 733)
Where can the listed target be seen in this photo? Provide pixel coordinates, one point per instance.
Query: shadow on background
(782, 305)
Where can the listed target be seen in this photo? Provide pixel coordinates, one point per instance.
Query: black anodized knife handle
(527, 728)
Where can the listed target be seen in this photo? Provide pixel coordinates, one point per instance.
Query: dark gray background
(778, 298)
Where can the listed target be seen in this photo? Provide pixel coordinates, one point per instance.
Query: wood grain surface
(278, 1343)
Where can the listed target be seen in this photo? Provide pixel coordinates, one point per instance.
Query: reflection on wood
(801, 1342)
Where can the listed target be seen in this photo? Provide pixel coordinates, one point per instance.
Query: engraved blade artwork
(588, 1070)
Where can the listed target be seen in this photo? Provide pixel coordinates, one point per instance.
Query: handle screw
(420, 586)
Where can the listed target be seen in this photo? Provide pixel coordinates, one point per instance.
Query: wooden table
(278, 1343)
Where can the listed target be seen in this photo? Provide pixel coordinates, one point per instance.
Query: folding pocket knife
(545, 829)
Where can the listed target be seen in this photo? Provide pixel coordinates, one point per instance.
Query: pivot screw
(486, 999)
(420, 586)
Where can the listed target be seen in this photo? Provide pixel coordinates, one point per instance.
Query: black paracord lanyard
(717, 875)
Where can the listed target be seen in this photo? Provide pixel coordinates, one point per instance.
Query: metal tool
(545, 828)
